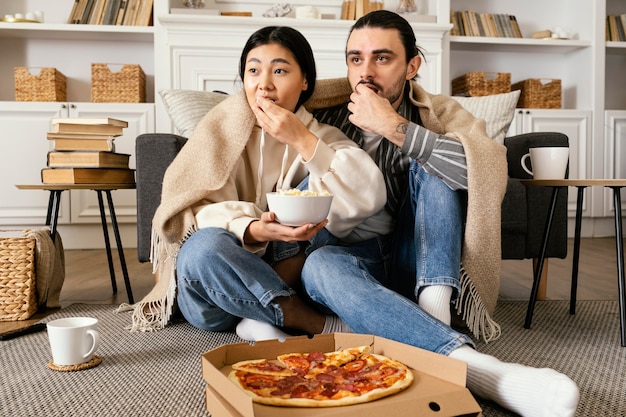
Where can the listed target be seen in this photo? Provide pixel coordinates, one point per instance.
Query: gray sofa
(524, 209)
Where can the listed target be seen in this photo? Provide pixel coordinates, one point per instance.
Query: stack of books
(83, 152)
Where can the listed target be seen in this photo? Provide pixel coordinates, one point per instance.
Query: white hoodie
(338, 166)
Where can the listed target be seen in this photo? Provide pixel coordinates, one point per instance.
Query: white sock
(254, 331)
(334, 324)
(530, 392)
(435, 300)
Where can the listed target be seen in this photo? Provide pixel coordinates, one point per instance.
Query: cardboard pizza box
(438, 389)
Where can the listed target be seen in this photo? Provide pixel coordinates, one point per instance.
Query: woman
(212, 230)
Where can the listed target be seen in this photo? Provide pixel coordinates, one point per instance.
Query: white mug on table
(73, 340)
(548, 163)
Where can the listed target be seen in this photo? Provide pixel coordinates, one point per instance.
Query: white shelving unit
(591, 71)
(71, 49)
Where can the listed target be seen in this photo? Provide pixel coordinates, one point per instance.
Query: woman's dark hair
(385, 19)
(292, 40)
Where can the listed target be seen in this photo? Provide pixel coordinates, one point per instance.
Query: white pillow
(496, 110)
(187, 107)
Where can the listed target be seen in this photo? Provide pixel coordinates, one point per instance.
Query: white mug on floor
(73, 340)
(549, 163)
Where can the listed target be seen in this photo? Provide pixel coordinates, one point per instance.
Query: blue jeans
(220, 282)
(360, 282)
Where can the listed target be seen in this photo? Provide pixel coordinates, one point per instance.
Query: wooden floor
(87, 278)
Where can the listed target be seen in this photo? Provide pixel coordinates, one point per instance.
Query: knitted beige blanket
(229, 126)
(487, 179)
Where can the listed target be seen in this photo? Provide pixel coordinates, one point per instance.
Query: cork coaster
(95, 361)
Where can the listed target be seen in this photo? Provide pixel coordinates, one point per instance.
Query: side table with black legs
(52, 217)
(616, 185)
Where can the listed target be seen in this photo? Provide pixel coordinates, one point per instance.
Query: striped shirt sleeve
(440, 155)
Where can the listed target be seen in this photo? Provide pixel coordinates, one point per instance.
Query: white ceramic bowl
(296, 210)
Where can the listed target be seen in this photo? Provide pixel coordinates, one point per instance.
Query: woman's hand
(268, 229)
(285, 126)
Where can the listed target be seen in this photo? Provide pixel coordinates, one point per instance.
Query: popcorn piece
(309, 193)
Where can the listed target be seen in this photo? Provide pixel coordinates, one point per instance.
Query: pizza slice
(315, 362)
(263, 367)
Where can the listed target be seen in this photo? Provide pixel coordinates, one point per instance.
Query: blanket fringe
(151, 315)
(474, 312)
(154, 311)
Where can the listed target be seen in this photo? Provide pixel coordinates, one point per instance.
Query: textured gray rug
(159, 374)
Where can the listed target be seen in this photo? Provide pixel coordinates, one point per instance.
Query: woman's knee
(204, 245)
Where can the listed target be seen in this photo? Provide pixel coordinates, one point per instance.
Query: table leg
(52, 216)
(542, 257)
(107, 242)
(120, 250)
(575, 262)
(621, 282)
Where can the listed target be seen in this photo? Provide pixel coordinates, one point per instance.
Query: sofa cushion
(187, 107)
(496, 110)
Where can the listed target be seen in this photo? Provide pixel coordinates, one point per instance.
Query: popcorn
(306, 193)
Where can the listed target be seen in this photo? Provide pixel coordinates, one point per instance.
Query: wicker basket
(48, 85)
(481, 84)
(539, 93)
(126, 86)
(18, 297)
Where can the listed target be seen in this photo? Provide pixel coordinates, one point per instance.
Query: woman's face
(272, 72)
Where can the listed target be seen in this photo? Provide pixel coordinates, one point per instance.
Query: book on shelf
(87, 159)
(77, 13)
(73, 12)
(83, 145)
(484, 21)
(91, 121)
(98, 12)
(84, 19)
(493, 28)
(502, 23)
(87, 136)
(86, 128)
(473, 22)
(541, 34)
(131, 12)
(144, 15)
(110, 13)
(88, 176)
(454, 19)
(517, 32)
(121, 12)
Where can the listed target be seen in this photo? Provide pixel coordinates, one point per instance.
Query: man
(428, 149)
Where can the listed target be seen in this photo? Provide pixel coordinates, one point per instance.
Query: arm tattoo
(402, 128)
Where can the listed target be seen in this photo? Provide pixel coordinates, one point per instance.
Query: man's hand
(268, 229)
(374, 114)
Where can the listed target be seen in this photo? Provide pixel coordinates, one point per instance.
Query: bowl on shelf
(293, 208)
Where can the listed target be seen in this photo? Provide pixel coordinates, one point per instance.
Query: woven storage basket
(482, 84)
(125, 86)
(18, 297)
(539, 93)
(48, 85)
